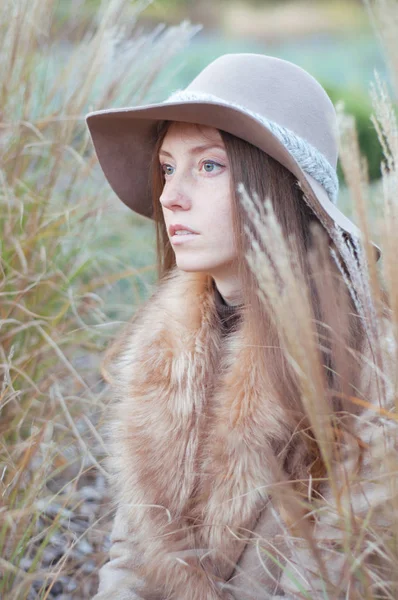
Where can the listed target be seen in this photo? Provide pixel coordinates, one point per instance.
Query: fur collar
(193, 434)
(193, 431)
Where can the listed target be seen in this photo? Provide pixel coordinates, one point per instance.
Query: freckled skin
(197, 193)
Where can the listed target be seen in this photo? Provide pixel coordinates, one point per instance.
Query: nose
(175, 194)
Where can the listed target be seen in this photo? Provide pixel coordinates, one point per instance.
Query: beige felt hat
(271, 103)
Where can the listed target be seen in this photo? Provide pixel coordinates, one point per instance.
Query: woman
(208, 413)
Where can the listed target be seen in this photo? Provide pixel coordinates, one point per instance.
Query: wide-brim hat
(271, 103)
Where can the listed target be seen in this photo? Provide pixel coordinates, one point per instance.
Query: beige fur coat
(191, 430)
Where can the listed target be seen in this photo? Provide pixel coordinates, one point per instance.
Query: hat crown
(278, 90)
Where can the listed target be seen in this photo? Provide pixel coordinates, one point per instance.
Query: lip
(176, 240)
(177, 226)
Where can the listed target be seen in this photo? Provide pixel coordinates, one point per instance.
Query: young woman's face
(197, 195)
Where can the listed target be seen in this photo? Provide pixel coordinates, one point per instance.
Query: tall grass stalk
(61, 278)
(347, 545)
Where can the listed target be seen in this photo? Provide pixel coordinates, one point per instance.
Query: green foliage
(358, 104)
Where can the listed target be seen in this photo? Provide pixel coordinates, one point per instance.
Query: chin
(192, 266)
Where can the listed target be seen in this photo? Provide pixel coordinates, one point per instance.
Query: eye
(167, 169)
(209, 166)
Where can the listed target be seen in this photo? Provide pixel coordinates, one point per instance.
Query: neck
(229, 290)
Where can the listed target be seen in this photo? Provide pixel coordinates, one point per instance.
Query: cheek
(220, 207)
(222, 215)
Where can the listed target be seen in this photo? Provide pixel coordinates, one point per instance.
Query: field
(75, 264)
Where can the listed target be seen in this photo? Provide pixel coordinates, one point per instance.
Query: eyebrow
(196, 149)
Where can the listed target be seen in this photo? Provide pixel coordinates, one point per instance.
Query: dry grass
(63, 292)
(60, 286)
(352, 552)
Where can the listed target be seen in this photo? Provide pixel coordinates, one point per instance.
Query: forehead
(191, 133)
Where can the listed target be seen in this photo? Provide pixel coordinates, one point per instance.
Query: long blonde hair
(269, 179)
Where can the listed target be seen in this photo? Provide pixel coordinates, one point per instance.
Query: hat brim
(124, 139)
